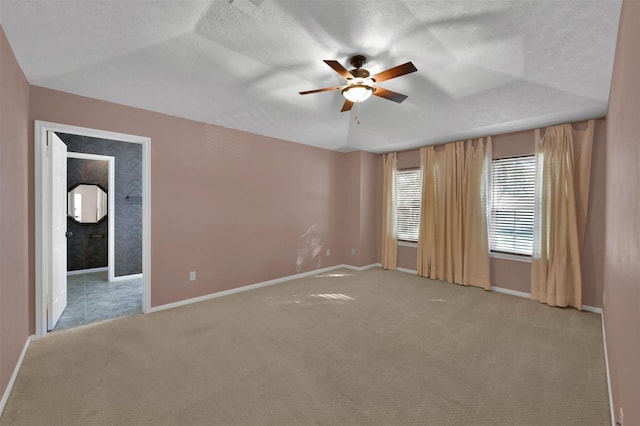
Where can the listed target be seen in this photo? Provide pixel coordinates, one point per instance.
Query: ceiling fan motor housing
(359, 73)
(358, 61)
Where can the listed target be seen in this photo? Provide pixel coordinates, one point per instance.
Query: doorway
(47, 262)
(86, 228)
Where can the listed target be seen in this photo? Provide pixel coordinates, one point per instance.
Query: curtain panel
(563, 171)
(389, 238)
(453, 242)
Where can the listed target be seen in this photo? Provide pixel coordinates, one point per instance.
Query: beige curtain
(453, 244)
(389, 240)
(563, 171)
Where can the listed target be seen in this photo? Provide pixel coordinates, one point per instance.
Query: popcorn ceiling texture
(484, 67)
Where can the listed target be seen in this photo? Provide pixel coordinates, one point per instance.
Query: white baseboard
(258, 285)
(606, 366)
(127, 277)
(7, 391)
(592, 309)
(496, 289)
(511, 292)
(362, 268)
(514, 293)
(87, 271)
(528, 296)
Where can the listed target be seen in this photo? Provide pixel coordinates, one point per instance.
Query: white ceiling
(484, 67)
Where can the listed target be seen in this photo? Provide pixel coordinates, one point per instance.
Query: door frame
(43, 212)
(111, 204)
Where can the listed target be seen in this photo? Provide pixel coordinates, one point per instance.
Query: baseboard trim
(362, 268)
(511, 292)
(127, 277)
(514, 293)
(496, 289)
(14, 376)
(257, 285)
(592, 309)
(606, 367)
(87, 271)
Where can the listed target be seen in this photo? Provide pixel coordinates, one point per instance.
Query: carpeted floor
(344, 348)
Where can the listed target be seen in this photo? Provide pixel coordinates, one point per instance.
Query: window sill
(407, 244)
(506, 256)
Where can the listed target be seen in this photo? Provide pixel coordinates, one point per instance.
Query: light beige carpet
(344, 348)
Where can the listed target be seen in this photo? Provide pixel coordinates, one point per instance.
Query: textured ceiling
(484, 67)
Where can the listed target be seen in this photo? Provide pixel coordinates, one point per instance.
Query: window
(408, 193)
(512, 205)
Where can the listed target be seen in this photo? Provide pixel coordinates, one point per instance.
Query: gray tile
(71, 317)
(75, 298)
(75, 279)
(91, 298)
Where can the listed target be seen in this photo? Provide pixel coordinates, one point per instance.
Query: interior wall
(235, 207)
(622, 219)
(128, 197)
(351, 202)
(363, 203)
(370, 208)
(516, 275)
(85, 250)
(14, 177)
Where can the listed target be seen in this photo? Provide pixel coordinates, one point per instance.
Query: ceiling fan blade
(347, 105)
(337, 67)
(394, 72)
(326, 89)
(388, 94)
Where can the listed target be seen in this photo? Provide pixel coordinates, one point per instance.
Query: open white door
(57, 297)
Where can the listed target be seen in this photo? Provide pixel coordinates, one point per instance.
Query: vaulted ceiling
(484, 67)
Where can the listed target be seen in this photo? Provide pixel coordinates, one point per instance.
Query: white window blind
(408, 193)
(512, 205)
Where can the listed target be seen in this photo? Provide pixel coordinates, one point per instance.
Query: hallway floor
(91, 298)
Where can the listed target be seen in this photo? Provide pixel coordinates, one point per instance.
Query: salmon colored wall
(362, 199)
(593, 249)
(622, 221)
(351, 186)
(511, 274)
(407, 257)
(370, 209)
(516, 275)
(14, 251)
(409, 159)
(235, 207)
(378, 185)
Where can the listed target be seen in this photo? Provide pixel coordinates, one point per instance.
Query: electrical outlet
(328, 252)
(192, 276)
(353, 251)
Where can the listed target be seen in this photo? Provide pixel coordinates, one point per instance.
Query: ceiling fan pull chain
(357, 116)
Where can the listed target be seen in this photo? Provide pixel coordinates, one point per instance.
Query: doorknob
(68, 234)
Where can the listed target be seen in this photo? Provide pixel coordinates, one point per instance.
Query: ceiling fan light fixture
(360, 84)
(358, 92)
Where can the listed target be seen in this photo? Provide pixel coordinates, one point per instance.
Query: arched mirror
(87, 203)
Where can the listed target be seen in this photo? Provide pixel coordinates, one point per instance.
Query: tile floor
(91, 298)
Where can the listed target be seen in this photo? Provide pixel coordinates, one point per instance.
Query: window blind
(512, 205)
(408, 194)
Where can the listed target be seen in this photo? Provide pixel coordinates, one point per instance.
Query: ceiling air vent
(249, 7)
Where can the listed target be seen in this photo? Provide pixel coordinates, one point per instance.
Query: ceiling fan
(360, 84)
